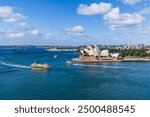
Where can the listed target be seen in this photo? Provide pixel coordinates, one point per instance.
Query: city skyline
(72, 22)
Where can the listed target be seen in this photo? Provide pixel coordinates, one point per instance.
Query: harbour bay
(112, 81)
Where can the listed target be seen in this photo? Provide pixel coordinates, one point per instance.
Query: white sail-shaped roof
(92, 52)
(105, 53)
(97, 50)
(82, 52)
(116, 55)
(88, 52)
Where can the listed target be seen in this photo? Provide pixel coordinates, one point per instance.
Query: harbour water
(107, 81)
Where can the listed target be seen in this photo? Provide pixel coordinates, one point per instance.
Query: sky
(74, 22)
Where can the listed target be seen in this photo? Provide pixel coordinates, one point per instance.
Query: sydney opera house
(94, 54)
(94, 51)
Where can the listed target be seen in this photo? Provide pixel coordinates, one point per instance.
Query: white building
(115, 55)
(105, 53)
(95, 52)
(91, 51)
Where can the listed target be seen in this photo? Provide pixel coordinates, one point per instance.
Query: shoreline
(85, 59)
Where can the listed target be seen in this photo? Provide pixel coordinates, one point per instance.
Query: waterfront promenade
(86, 59)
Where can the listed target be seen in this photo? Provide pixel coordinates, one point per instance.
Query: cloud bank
(112, 16)
(76, 30)
(131, 2)
(94, 8)
(7, 14)
(116, 19)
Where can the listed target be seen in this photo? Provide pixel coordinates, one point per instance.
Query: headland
(93, 54)
(86, 59)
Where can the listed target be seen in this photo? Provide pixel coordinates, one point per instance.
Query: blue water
(112, 81)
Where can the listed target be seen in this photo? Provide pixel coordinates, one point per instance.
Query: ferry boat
(40, 66)
(69, 63)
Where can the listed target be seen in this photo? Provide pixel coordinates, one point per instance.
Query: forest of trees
(134, 52)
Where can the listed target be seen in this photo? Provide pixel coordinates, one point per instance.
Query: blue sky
(74, 22)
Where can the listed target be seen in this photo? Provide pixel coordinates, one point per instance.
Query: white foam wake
(14, 65)
(101, 66)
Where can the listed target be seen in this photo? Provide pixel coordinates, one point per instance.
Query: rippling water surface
(126, 80)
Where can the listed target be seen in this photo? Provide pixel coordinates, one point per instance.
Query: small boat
(69, 63)
(55, 56)
(40, 66)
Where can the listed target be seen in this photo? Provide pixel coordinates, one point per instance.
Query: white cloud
(8, 15)
(22, 24)
(131, 2)
(118, 20)
(16, 27)
(115, 38)
(144, 30)
(112, 16)
(2, 31)
(145, 11)
(16, 34)
(94, 8)
(76, 30)
(47, 36)
(35, 32)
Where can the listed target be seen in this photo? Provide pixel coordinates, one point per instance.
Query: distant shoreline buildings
(102, 46)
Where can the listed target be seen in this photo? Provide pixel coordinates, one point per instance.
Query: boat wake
(14, 65)
(101, 66)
